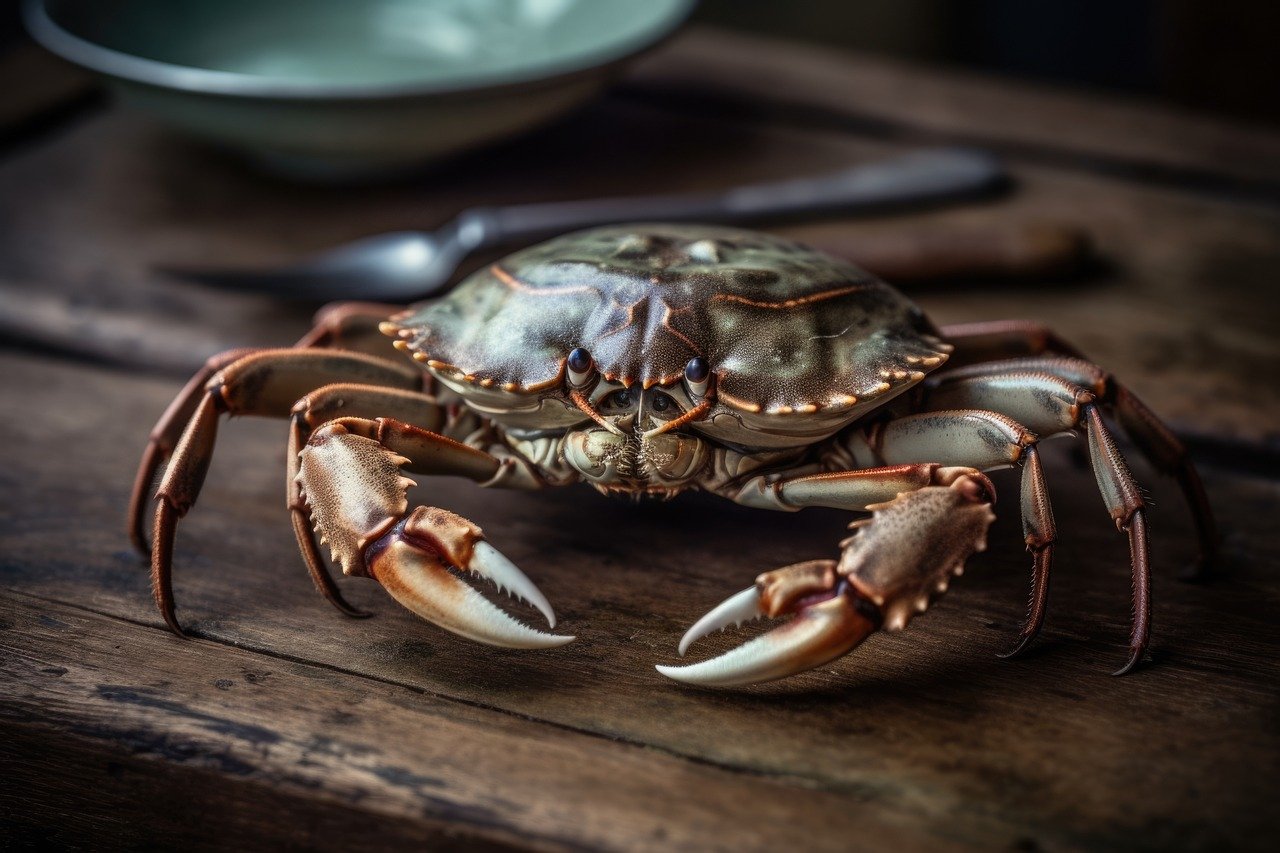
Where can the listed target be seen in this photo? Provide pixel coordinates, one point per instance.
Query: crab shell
(800, 343)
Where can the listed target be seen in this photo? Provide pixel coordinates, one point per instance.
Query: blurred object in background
(331, 90)
(917, 256)
(1219, 57)
(1014, 254)
(403, 265)
(47, 87)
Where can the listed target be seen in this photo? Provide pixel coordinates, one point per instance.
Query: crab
(648, 360)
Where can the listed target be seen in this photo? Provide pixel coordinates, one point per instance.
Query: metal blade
(395, 267)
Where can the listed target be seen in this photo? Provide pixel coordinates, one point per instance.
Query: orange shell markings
(785, 328)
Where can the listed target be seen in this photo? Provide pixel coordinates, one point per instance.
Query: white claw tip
(420, 582)
(819, 633)
(491, 563)
(734, 610)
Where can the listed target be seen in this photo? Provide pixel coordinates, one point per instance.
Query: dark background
(1219, 56)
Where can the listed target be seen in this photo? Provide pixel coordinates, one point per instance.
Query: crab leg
(986, 440)
(325, 404)
(341, 325)
(905, 439)
(350, 478)
(890, 569)
(1154, 439)
(164, 438)
(345, 325)
(999, 339)
(1051, 404)
(995, 347)
(351, 326)
(1047, 405)
(265, 382)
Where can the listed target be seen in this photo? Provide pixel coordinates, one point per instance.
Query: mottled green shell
(786, 329)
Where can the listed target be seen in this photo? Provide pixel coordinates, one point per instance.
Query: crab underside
(648, 361)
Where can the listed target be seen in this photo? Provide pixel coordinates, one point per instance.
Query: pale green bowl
(350, 88)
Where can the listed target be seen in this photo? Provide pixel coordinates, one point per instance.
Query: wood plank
(881, 96)
(65, 791)
(1184, 312)
(366, 746)
(924, 729)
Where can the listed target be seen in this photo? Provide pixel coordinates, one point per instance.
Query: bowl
(339, 88)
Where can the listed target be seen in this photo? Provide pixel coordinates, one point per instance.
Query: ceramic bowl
(343, 88)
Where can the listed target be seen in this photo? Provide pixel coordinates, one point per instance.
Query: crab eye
(697, 373)
(580, 365)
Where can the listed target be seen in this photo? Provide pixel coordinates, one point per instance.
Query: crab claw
(358, 504)
(413, 561)
(827, 625)
(898, 561)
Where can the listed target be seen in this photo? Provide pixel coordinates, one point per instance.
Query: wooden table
(286, 724)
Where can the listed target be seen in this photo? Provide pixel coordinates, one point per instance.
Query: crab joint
(358, 502)
(412, 563)
(899, 560)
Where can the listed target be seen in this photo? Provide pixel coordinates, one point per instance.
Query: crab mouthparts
(639, 491)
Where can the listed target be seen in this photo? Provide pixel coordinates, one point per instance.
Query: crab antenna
(693, 414)
(587, 409)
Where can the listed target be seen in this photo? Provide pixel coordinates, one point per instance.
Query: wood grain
(925, 729)
(1182, 310)
(385, 749)
(117, 734)
(879, 96)
(65, 790)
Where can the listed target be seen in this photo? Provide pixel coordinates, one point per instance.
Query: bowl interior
(431, 44)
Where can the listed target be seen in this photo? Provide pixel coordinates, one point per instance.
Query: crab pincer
(359, 506)
(419, 562)
(644, 361)
(896, 563)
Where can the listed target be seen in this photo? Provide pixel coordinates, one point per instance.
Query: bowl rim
(114, 63)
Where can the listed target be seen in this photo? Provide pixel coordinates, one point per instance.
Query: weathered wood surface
(924, 732)
(875, 96)
(1186, 315)
(388, 748)
(388, 732)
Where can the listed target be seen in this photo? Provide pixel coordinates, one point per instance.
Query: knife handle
(921, 254)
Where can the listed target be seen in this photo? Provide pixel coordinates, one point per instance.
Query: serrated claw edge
(358, 500)
(890, 570)
(348, 516)
(905, 556)
(413, 562)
